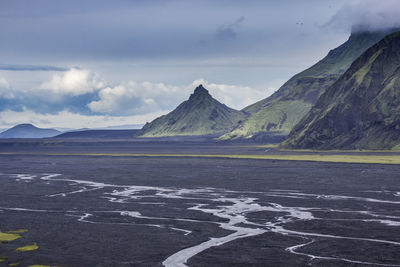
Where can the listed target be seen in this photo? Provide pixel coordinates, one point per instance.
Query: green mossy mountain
(362, 109)
(280, 112)
(200, 115)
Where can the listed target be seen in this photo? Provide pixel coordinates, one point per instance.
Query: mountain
(200, 115)
(28, 131)
(100, 134)
(280, 112)
(362, 109)
(122, 127)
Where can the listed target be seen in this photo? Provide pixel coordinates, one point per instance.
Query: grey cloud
(151, 30)
(40, 104)
(230, 31)
(13, 67)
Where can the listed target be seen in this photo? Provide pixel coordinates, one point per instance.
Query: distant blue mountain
(107, 134)
(28, 131)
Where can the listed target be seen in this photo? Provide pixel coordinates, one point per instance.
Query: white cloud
(9, 118)
(139, 98)
(136, 98)
(5, 89)
(72, 82)
(4, 83)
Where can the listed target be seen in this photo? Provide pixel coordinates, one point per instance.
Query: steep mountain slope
(284, 109)
(362, 109)
(200, 115)
(28, 131)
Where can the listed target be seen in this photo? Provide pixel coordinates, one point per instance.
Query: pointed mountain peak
(200, 115)
(200, 91)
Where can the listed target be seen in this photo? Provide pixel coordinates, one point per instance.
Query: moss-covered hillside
(362, 109)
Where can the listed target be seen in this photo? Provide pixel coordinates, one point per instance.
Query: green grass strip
(378, 159)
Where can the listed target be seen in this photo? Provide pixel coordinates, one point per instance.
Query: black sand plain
(155, 211)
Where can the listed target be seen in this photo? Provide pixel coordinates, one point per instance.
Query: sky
(100, 63)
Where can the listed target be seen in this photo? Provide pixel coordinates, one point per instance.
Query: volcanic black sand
(155, 211)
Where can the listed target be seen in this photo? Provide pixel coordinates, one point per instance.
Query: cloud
(139, 98)
(5, 89)
(122, 30)
(73, 82)
(229, 32)
(194, 33)
(367, 15)
(126, 103)
(67, 119)
(83, 92)
(71, 90)
(13, 67)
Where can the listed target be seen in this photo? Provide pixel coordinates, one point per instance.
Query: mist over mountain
(362, 109)
(366, 15)
(201, 114)
(280, 112)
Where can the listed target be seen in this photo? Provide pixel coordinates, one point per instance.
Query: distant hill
(122, 127)
(28, 131)
(200, 115)
(362, 109)
(106, 134)
(280, 112)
